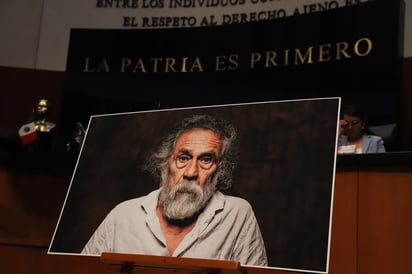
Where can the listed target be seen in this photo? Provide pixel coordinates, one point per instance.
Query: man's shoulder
(234, 201)
(233, 206)
(136, 202)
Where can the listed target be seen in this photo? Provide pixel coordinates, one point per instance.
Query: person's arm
(342, 123)
(250, 248)
(102, 239)
(381, 146)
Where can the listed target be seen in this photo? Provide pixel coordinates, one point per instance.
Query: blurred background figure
(354, 134)
(75, 142)
(40, 115)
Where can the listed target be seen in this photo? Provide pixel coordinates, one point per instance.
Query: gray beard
(186, 199)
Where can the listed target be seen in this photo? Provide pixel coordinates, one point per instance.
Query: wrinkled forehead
(199, 139)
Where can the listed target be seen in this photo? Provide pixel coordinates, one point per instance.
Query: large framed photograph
(250, 182)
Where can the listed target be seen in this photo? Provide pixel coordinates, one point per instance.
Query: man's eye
(206, 160)
(183, 158)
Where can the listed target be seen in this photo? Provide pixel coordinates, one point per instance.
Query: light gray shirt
(370, 143)
(226, 230)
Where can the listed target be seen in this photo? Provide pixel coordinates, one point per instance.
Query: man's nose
(191, 170)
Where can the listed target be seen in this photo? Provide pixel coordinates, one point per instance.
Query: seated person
(355, 136)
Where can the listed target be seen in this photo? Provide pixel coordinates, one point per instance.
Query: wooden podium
(128, 262)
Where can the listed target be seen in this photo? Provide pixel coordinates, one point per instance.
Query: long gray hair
(157, 163)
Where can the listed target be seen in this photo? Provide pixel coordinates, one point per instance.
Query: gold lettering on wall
(303, 59)
(360, 43)
(324, 53)
(101, 66)
(224, 63)
(341, 50)
(327, 52)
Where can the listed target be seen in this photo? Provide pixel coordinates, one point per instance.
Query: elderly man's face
(195, 157)
(189, 184)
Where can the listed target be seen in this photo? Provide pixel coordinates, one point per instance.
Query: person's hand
(342, 124)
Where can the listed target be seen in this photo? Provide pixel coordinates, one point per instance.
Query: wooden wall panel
(19, 260)
(385, 221)
(343, 253)
(31, 203)
(30, 260)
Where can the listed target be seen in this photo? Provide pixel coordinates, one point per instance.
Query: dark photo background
(286, 171)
